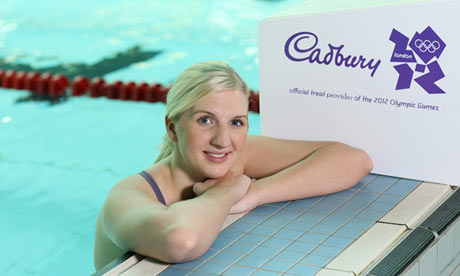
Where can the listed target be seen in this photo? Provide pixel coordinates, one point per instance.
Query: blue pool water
(58, 162)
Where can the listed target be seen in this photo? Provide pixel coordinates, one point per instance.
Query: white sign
(385, 79)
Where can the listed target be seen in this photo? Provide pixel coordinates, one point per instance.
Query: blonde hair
(192, 85)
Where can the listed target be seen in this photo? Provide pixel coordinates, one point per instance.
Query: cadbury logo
(302, 47)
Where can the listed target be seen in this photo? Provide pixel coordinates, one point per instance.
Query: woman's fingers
(200, 187)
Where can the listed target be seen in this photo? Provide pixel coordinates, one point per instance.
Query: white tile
(412, 271)
(446, 252)
(367, 248)
(428, 264)
(456, 272)
(127, 264)
(231, 219)
(330, 272)
(146, 267)
(418, 204)
(457, 243)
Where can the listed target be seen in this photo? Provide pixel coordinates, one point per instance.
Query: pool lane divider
(58, 85)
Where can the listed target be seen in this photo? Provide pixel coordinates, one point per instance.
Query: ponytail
(167, 148)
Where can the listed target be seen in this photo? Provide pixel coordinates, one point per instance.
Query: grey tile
(252, 239)
(325, 229)
(413, 271)
(229, 235)
(254, 261)
(253, 218)
(366, 180)
(316, 260)
(337, 241)
(428, 264)
(265, 210)
(300, 224)
(240, 247)
(334, 220)
(227, 257)
(446, 252)
(301, 247)
(288, 234)
(263, 272)
(380, 184)
(172, 271)
(236, 270)
(277, 243)
(289, 256)
(213, 267)
(265, 251)
(277, 265)
(276, 221)
(326, 250)
(349, 231)
(220, 243)
(240, 226)
(189, 265)
(303, 269)
(313, 237)
(264, 230)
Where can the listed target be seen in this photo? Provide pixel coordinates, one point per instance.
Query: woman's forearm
(197, 224)
(330, 169)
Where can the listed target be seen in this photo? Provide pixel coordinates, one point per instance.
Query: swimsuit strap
(154, 186)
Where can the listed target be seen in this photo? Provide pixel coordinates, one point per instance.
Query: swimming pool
(58, 162)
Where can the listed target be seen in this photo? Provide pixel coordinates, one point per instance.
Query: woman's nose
(221, 137)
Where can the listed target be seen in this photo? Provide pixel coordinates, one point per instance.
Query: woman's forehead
(228, 100)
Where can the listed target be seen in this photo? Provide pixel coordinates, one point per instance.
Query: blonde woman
(209, 167)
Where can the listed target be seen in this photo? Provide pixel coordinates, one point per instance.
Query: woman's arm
(288, 170)
(176, 233)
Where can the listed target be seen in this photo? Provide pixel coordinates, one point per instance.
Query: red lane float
(140, 94)
(80, 85)
(254, 102)
(8, 79)
(31, 81)
(57, 86)
(20, 81)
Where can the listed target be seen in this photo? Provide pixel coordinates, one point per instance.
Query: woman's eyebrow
(202, 111)
(212, 114)
(241, 116)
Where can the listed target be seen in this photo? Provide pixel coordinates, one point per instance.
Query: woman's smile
(217, 157)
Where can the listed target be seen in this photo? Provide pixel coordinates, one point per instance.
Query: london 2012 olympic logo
(422, 52)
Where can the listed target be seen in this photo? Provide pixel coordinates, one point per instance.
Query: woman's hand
(232, 182)
(247, 203)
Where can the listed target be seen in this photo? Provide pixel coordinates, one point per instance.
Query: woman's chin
(216, 174)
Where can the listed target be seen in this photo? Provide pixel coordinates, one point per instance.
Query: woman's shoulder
(137, 181)
(257, 145)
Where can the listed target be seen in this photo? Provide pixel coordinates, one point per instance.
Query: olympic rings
(427, 45)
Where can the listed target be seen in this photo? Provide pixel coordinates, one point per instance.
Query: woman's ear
(170, 129)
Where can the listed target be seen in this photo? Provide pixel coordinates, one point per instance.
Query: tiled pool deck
(298, 237)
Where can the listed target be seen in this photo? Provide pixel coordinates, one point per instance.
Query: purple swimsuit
(154, 186)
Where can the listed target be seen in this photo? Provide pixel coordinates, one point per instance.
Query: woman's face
(212, 134)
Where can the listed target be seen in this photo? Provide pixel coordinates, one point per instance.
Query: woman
(208, 168)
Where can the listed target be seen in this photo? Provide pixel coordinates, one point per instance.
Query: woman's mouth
(216, 157)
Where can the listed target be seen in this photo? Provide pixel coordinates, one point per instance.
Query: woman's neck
(180, 178)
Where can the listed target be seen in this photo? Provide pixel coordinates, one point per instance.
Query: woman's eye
(204, 120)
(237, 123)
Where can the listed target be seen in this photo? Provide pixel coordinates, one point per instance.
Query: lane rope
(58, 85)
